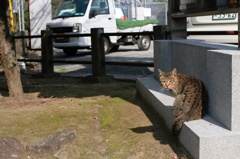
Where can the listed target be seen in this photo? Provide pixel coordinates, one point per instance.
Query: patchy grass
(62, 69)
(109, 119)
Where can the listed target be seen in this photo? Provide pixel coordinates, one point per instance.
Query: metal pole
(19, 15)
(166, 12)
(22, 28)
(135, 5)
(22, 14)
(11, 15)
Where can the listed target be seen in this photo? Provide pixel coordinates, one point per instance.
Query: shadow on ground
(65, 87)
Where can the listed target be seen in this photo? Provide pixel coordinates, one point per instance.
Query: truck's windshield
(71, 8)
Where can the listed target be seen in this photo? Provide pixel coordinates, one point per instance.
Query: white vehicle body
(221, 28)
(79, 16)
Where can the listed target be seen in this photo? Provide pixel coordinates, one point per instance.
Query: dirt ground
(110, 120)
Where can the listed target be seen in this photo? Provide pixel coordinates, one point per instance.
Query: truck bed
(135, 25)
(148, 27)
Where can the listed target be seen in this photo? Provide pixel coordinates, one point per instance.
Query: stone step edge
(161, 101)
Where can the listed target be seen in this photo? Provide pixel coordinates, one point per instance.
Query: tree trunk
(7, 56)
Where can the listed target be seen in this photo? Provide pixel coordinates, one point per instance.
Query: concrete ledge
(150, 89)
(203, 139)
(216, 65)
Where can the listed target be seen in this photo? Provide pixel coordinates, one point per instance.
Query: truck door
(101, 15)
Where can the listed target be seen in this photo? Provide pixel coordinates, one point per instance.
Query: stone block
(211, 63)
(203, 139)
(217, 135)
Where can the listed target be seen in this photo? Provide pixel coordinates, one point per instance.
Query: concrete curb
(203, 139)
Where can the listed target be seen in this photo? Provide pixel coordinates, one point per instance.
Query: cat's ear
(174, 72)
(160, 72)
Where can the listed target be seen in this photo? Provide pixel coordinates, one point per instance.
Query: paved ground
(124, 54)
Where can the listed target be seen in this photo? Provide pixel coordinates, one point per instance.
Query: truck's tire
(114, 48)
(70, 51)
(106, 45)
(144, 42)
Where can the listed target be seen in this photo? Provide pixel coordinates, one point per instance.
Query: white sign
(147, 12)
(140, 13)
(40, 12)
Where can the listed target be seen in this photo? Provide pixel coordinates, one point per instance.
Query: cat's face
(168, 80)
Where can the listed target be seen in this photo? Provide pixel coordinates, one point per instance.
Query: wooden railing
(98, 56)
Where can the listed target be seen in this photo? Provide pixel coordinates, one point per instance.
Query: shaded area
(160, 132)
(120, 122)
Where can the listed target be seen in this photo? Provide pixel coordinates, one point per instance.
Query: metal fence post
(98, 55)
(47, 52)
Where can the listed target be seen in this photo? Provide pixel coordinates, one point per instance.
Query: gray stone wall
(218, 66)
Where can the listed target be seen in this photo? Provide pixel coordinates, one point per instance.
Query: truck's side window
(99, 7)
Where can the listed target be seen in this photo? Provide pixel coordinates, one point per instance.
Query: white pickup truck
(79, 16)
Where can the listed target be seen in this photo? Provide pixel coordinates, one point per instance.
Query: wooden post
(98, 55)
(159, 32)
(47, 52)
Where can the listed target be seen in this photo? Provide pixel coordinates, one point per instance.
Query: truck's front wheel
(106, 45)
(144, 42)
(70, 51)
(114, 48)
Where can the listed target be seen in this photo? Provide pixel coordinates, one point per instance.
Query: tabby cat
(188, 97)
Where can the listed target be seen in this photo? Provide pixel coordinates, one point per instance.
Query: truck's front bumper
(65, 42)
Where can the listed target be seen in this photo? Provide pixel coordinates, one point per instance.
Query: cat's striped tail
(178, 123)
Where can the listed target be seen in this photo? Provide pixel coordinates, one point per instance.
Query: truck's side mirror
(93, 13)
